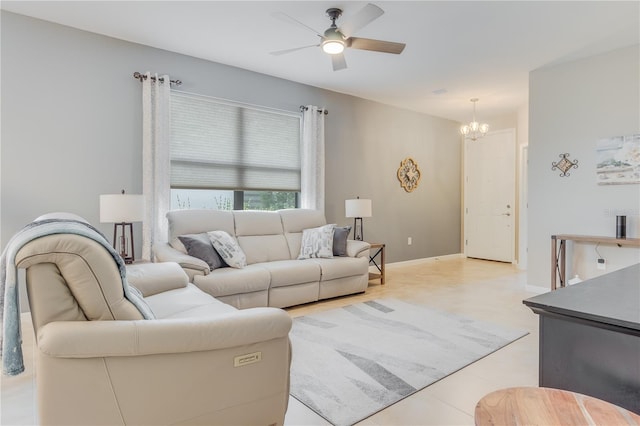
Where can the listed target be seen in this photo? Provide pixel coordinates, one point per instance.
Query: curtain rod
(325, 111)
(141, 77)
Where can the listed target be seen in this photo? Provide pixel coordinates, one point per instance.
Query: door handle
(506, 214)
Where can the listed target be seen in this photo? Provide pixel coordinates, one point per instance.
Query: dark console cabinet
(590, 337)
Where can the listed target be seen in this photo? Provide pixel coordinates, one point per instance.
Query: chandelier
(474, 130)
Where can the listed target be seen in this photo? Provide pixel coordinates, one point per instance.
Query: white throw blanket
(12, 361)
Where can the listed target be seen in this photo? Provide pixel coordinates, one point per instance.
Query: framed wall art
(618, 160)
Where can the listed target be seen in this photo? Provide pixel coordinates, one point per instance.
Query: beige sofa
(271, 242)
(99, 363)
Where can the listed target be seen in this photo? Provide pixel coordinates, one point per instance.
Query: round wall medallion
(408, 174)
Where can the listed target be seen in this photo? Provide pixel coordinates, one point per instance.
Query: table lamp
(122, 209)
(357, 209)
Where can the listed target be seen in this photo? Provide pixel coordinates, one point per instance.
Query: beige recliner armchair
(201, 362)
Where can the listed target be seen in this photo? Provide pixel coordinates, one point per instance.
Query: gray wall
(571, 107)
(71, 130)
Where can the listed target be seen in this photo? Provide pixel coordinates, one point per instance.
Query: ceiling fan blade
(364, 17)
(284, 17)
(338, 61)
(375, 45)
(284, 52)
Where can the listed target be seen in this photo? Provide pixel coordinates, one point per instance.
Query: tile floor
(485, 290)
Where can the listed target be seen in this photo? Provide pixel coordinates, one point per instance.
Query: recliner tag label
(242, 360)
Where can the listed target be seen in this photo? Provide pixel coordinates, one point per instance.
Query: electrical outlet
(409, 241)
(602, 264)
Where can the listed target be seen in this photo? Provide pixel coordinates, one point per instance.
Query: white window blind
(220, 145)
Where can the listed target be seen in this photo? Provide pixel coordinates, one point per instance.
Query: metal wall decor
(564, 165)
(408, 174)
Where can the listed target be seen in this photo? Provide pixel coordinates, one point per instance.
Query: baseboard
(424, 260)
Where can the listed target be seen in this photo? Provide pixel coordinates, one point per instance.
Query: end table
(377, 250)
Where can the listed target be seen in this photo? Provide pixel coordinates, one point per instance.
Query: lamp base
(358, 230)
(121, 243)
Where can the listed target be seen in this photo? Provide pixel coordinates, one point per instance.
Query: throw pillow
(340, 235)
(199, 245)
(317, 242)
(228, 248)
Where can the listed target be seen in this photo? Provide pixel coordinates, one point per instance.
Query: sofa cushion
(200, 246)
(292, 272)
(293, 241)
(264, 248)
(342, 267)
(229, 281)
(294, 221)
(186, 302)
(228, 249)
(183, 222)
(340, 235)
(297, 220)
(257, 222)
(261, 236)
(317, 242)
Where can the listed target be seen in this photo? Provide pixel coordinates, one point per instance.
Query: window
(233, 200)
(231, 156)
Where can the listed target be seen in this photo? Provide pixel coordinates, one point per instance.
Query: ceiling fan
(335, 39)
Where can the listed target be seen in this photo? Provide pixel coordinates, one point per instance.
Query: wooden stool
(546, 406)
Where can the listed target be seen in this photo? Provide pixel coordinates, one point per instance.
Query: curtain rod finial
(139, 76)
(320, 110)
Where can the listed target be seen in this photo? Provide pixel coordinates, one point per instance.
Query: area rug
(351, 362)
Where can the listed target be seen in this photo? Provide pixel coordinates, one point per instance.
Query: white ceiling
(466, 48)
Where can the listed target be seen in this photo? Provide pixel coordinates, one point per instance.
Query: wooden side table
(547, 406)
(378, 250)
(558, 256)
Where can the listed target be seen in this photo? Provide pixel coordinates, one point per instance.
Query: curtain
(312, 159)
(156, 103)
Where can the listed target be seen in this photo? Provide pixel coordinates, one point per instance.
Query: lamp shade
(357, 208)
(118, 208)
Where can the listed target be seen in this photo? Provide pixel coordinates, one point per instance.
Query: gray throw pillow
(340, 235)
(199, 245)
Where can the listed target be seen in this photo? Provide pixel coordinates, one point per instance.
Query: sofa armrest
(154, 278)
(98, 339)
(357, 248)
(191, 265)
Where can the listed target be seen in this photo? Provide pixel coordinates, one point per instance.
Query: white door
(523, 236)
(490, 188)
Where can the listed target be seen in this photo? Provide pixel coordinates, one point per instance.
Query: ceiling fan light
(333, 47)
(333, 42)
